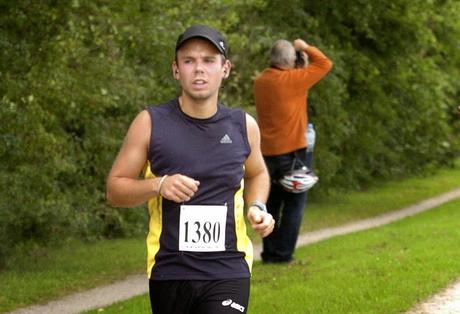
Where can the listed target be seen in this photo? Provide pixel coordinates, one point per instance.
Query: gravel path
(447, 302)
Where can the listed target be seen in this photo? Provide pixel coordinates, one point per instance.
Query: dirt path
(138, 284)
(445, 302)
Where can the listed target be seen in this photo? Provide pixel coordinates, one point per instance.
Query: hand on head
(300, 44)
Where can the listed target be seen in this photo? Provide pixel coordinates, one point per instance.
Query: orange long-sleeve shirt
(281, 103)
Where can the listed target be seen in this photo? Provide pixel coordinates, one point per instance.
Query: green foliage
(385, 109)
(74, 74)
(383, 270)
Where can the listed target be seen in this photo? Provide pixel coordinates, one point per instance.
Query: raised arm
(318, 66)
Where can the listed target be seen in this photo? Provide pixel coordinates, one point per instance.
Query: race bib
(202, 228)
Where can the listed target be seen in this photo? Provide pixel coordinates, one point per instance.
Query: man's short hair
(282, 54)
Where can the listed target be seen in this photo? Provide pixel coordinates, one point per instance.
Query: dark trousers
(286, 208)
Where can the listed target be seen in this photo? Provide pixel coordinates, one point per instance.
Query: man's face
(200, 69)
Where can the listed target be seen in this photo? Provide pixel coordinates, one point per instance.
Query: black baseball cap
(205, 32)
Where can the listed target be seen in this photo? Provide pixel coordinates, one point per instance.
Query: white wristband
(161, 183)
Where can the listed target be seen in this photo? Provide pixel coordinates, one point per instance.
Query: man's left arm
(257, 183)
(318, 66)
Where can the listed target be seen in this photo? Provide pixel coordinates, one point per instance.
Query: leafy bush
(74, 74)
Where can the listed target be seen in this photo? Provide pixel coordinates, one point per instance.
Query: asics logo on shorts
(233, 304)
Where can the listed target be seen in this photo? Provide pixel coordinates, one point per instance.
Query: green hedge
(73, 74)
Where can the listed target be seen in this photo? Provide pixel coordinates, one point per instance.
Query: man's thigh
(170, 296)
(224, 296)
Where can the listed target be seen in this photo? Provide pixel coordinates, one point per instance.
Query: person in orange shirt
(280, 93)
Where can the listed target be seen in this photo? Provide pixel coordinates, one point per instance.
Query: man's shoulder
(268, 71)
(237, 115)
(167, 104)
(271, 73)
(230, 110)
(161, 107)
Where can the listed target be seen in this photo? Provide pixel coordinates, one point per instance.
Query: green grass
(74, 267)
(385, 270)
(79, 266)
(389, 196)
(136, 305)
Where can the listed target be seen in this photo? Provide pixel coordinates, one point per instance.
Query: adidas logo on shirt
(226, 139)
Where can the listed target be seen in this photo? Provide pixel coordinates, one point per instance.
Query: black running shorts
(226, 296)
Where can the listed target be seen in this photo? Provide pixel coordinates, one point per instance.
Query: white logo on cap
(221, 43)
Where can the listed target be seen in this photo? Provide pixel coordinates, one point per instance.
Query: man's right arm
(126, 189)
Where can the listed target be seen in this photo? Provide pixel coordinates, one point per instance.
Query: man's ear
(175, 71)
(227, 68)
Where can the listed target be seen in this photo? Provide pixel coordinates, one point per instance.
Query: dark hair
(299, 59)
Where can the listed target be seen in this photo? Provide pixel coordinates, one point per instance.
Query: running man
(202, 163)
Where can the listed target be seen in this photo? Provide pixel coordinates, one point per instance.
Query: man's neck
(198, 109)
(280, 67)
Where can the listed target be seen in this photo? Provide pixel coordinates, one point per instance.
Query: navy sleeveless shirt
(212, 151)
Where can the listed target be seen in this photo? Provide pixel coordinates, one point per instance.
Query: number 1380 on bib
(202, 228)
